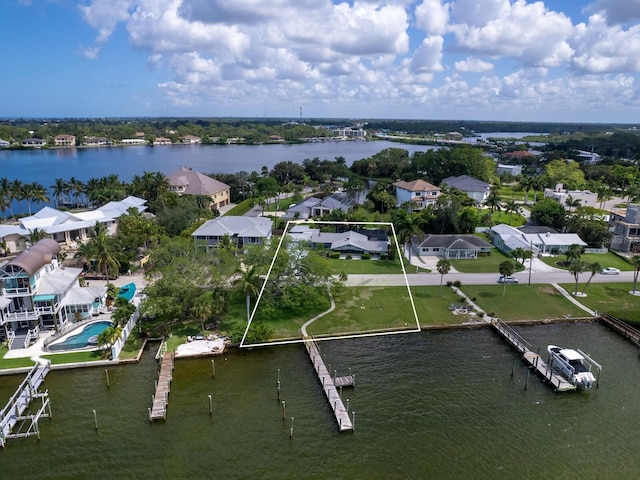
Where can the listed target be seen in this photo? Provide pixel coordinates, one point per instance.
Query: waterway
(43, 166)
(430, 405)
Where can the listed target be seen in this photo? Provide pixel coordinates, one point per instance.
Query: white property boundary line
(359, 335)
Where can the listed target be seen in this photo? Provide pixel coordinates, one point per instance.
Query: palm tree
(635, 261)
(511, 207)
(537, 183)
(632, 192)
(203, 307)
(17, 191)
(519, 253)
(574, 252)
(603, 193)
(5, 203)
(576, 267)
(493, 201)
(506, 269)
(6, 192)
(107, 338)
(39, 193)
(249, 282)
(409, 225)
(36, 235)
(526, 185)
(59, 189)
(443, 266)
(595, 267)
(572, 203)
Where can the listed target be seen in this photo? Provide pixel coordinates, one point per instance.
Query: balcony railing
(15, 292)
(27, 315)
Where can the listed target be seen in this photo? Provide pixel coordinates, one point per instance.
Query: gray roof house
(347, 243)
(318, 207)
(476, 189)
(450, 246)
(507, 238)
(240, 230)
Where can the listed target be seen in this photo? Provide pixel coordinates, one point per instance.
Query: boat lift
(587, 359)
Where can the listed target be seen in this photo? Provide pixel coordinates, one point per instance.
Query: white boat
(574, 365)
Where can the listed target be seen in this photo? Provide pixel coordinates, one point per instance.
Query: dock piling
(526, 383)
(213, 368)
(106, 374)
(284, 411)
(95, 419)
(291, 430)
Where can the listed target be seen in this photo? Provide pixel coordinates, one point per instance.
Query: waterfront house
(350, 132)
(38, 293)
(162, 141)
(186, 181)
(65, 140)
(4, 143)
(191, 140)
(319, 207)
(96, 141)
(450, 246)
(66, 228)
(133, 141)
(418, 192)
(239, 230)
(34, 142)
(476, 189)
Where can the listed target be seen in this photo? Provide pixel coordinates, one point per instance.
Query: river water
(441, 404)
(43, 166)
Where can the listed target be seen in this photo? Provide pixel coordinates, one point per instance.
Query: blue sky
(552, 60)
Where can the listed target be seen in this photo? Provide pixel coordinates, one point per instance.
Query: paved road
(416, 279)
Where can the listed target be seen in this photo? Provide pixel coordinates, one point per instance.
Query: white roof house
(349, 242)
(508, 238)
(240, 230)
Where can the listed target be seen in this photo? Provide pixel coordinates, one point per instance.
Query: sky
(550, 60)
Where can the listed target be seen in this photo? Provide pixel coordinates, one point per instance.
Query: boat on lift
(574, 365)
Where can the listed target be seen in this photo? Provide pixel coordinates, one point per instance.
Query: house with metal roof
(319, 207)
(240, 230)
(476, 189)
(418, 193)
(186, 181)
(65, 227)
(346, 243)
(450, 246)
(39, 294)
(507, 238)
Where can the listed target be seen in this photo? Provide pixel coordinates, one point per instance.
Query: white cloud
(473, 64)
(104, 15)
(428, 55)
(432, 16)
(616, 11)
(528, 32)
(604, 49)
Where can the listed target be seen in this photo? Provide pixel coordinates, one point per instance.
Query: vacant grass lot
(513, 219)
(605, 259)
(612, 298)
(522, 302)
(354, 266)
(488, 264)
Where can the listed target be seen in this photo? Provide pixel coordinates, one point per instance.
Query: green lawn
(489, 264)
(74, 357)
(354, 267)
(6, 363)
(605, 259)
(241, 208)
(513, 219)
(132, 346)
(612, 298)
(522, 302)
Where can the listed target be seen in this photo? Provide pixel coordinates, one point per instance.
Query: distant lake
(485, 136)
(43, 166)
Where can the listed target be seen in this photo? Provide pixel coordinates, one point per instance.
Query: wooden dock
(557, 382)
(163, 385)
(14, 423)
(330, 386)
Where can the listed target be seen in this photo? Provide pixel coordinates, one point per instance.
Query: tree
(443, 266)
(572, 203)
(526, 184)
(574, 252)
(506, 269)
(595, 267)
(249, 282)
(36, 235)
(565, 172)
(124, 310)
(576, 267)
(107, 338)
(511, 207)
(59, 189)
(493, 201)
(519, 253)
(635, 261)
(203, 308)
(408, 225)
(549, 213)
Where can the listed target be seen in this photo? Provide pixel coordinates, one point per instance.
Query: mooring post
(335, 375)
(513, 364)
(353, 420)
(347, 405)
(95, 419)
(213, 368)
(210, 406)
(106, 374)
(340, 391)
(284, 411)
(149, 410)
(278, 389)
(526, 383)
(278, 379)
(155, 383)
(291, 430)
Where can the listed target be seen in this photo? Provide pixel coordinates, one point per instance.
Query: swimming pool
(81, 339)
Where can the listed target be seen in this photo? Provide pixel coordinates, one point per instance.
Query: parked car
(507, 279)
(610, 271)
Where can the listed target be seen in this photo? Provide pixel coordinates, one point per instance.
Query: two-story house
(189, 182)
(418, 192)
(38, 293)
(626, 229)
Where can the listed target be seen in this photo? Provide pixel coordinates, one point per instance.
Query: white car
(507, 279)
(610, 271)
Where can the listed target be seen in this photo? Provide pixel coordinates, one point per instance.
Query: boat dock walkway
(13, 421)
(163, 385)
(330, 386)
(534, 360)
